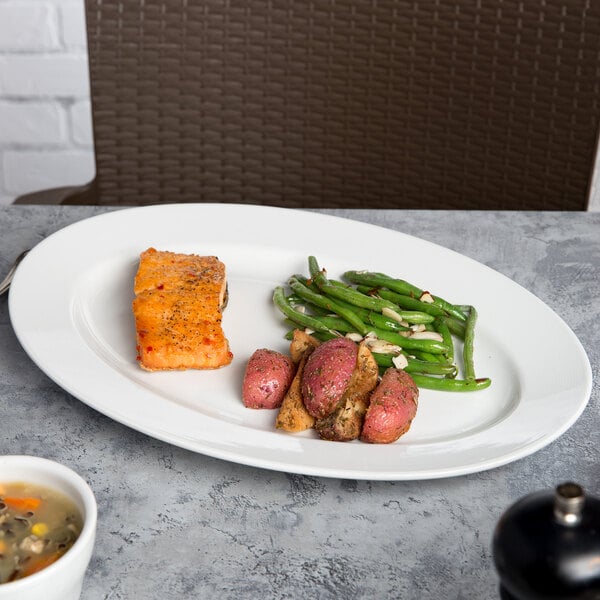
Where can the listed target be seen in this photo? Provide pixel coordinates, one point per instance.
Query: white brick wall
(45, 122)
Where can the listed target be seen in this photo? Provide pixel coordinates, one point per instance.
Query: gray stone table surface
(174, 524)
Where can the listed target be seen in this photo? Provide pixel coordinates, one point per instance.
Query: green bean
(449, 308)
(451, 385)
(322, 336)
(380, 320)
(350, 295)
(324, 302)
(402, 287)
(383, 322)
(404, 302)
(455, 326)
(444, 331)
(337, 324)
(426, 367)
(309, 283)
(408, 343)
(416, 366)
(280, 301)
(315, 311)
(468, 365)
(341, 291)
(361, 313)
(294, 299)
(428, 357)
(381, 280)
(341, 325)
(415, 316)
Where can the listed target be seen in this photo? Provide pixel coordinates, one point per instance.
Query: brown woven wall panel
(427, 104)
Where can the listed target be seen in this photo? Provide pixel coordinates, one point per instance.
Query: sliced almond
(400, 361)
(382, 347)
(427, 335)
(392, 314)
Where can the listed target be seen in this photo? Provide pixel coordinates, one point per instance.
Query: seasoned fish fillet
(177, 308)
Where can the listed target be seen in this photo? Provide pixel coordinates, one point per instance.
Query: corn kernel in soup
(37, 526)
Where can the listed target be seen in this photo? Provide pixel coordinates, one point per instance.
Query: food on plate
(178, 306)
(327, 374)
(345, 422)
(344, 371)
(392, 408)
(302, 345)
(405, 327)
(38, 525)
(267, 378)
(292, 415)
(363, 347)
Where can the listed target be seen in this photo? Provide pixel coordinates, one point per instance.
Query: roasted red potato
(327, 374)
(267, 378)
(392, 408)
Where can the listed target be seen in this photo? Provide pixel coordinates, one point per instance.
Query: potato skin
(327, 374)
(267, 378)
(392, 408)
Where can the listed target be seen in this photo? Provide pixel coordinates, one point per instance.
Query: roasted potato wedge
(301, 342)
(292, 415)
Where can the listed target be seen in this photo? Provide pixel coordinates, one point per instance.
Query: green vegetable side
(404, 326)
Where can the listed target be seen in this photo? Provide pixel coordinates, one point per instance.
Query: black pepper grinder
(547, 546)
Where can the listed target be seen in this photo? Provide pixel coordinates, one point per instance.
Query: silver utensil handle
(5, 284)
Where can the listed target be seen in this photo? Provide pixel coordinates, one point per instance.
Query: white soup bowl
(62, 580)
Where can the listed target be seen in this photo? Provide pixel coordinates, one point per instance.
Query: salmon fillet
(178, 309)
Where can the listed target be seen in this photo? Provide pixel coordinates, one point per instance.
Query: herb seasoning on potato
(334, 390)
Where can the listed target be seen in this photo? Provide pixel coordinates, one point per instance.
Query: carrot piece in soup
(34, 566)
(23, 504)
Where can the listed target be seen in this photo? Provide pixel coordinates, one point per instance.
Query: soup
(38, 525)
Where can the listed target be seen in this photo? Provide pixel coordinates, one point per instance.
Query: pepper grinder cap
(569, 501)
